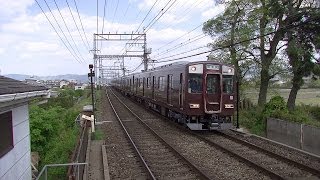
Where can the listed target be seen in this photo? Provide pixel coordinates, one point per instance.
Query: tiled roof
(11, 86)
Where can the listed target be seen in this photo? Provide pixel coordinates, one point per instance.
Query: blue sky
(29, 45)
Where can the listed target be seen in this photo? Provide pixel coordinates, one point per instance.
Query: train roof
(175, 64)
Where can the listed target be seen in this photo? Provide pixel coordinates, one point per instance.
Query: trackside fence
(300, 136)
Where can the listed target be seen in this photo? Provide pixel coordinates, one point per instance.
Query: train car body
(197, 94)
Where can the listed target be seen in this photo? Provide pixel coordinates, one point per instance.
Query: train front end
(210, 96)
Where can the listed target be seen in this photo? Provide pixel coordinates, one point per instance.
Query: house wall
(16, 164)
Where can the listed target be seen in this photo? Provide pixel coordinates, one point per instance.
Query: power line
(57, 32)
(147, 15)
(290, 26)
(88, 48)
(150, 25)
(104, 14)
(205, 46)
(196, 38)
(115, 12)
(179, 37)
(61, 29)
(68, 30)
(75, 3)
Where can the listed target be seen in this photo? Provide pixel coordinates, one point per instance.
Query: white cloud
(212, 12)
(179, 12)
(12, 7)
(30, 45)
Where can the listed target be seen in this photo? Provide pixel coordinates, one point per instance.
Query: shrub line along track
(151, 169)
(255, 164)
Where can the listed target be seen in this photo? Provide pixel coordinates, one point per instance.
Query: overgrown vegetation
(255, 118)
(53, 131)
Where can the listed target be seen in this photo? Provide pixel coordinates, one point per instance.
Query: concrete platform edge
(105, 163)
(86, 172)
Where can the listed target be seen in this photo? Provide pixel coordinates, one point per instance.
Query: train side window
(195, 83)
(227, 84)
(161, 83)
(148, 82)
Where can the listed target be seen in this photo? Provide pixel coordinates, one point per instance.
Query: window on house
(6, 136)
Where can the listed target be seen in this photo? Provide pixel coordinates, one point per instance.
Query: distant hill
(21, 77)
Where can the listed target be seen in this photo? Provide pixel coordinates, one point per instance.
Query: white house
(15, 150)
(80, 86)
(64, 83)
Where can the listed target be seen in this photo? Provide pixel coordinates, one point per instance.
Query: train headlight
(228, 106)
(193, 68)
(194, 106)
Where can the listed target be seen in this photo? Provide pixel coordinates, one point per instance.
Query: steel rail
(131, 141)
(202, 174)
(241, 158)
(230, 152)
(273, 154)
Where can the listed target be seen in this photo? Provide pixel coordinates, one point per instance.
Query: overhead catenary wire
(68, 30)
(57, 32)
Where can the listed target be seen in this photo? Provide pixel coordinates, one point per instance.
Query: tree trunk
(291, 104)
(263, 86)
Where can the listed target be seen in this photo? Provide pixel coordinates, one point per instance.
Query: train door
(169, 89)
(180, 91)
(212, 96)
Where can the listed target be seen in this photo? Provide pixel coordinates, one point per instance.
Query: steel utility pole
(91, 75)
(133, 40)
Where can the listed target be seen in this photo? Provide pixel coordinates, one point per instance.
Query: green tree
(302, 42)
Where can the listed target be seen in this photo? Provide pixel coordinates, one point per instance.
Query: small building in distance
(64, 83)
(80, 86)
(15, 149)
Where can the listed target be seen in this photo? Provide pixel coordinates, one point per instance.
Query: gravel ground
(214, 162)
(284, 151)
(163, 162)
(278, 166)
(122, 160)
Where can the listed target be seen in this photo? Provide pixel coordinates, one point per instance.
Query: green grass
(304, 96)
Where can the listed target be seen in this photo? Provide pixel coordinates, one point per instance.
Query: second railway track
(272, 165)
(161, 160)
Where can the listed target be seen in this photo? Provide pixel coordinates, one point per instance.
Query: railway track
(160, 160)
(267, 164)
(277, 166)
(274, 165)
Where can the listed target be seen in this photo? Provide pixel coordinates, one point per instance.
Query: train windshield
(228, 84)
(213, 83)
(195, 83)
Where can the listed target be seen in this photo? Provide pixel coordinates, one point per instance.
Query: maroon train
(200, 95)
